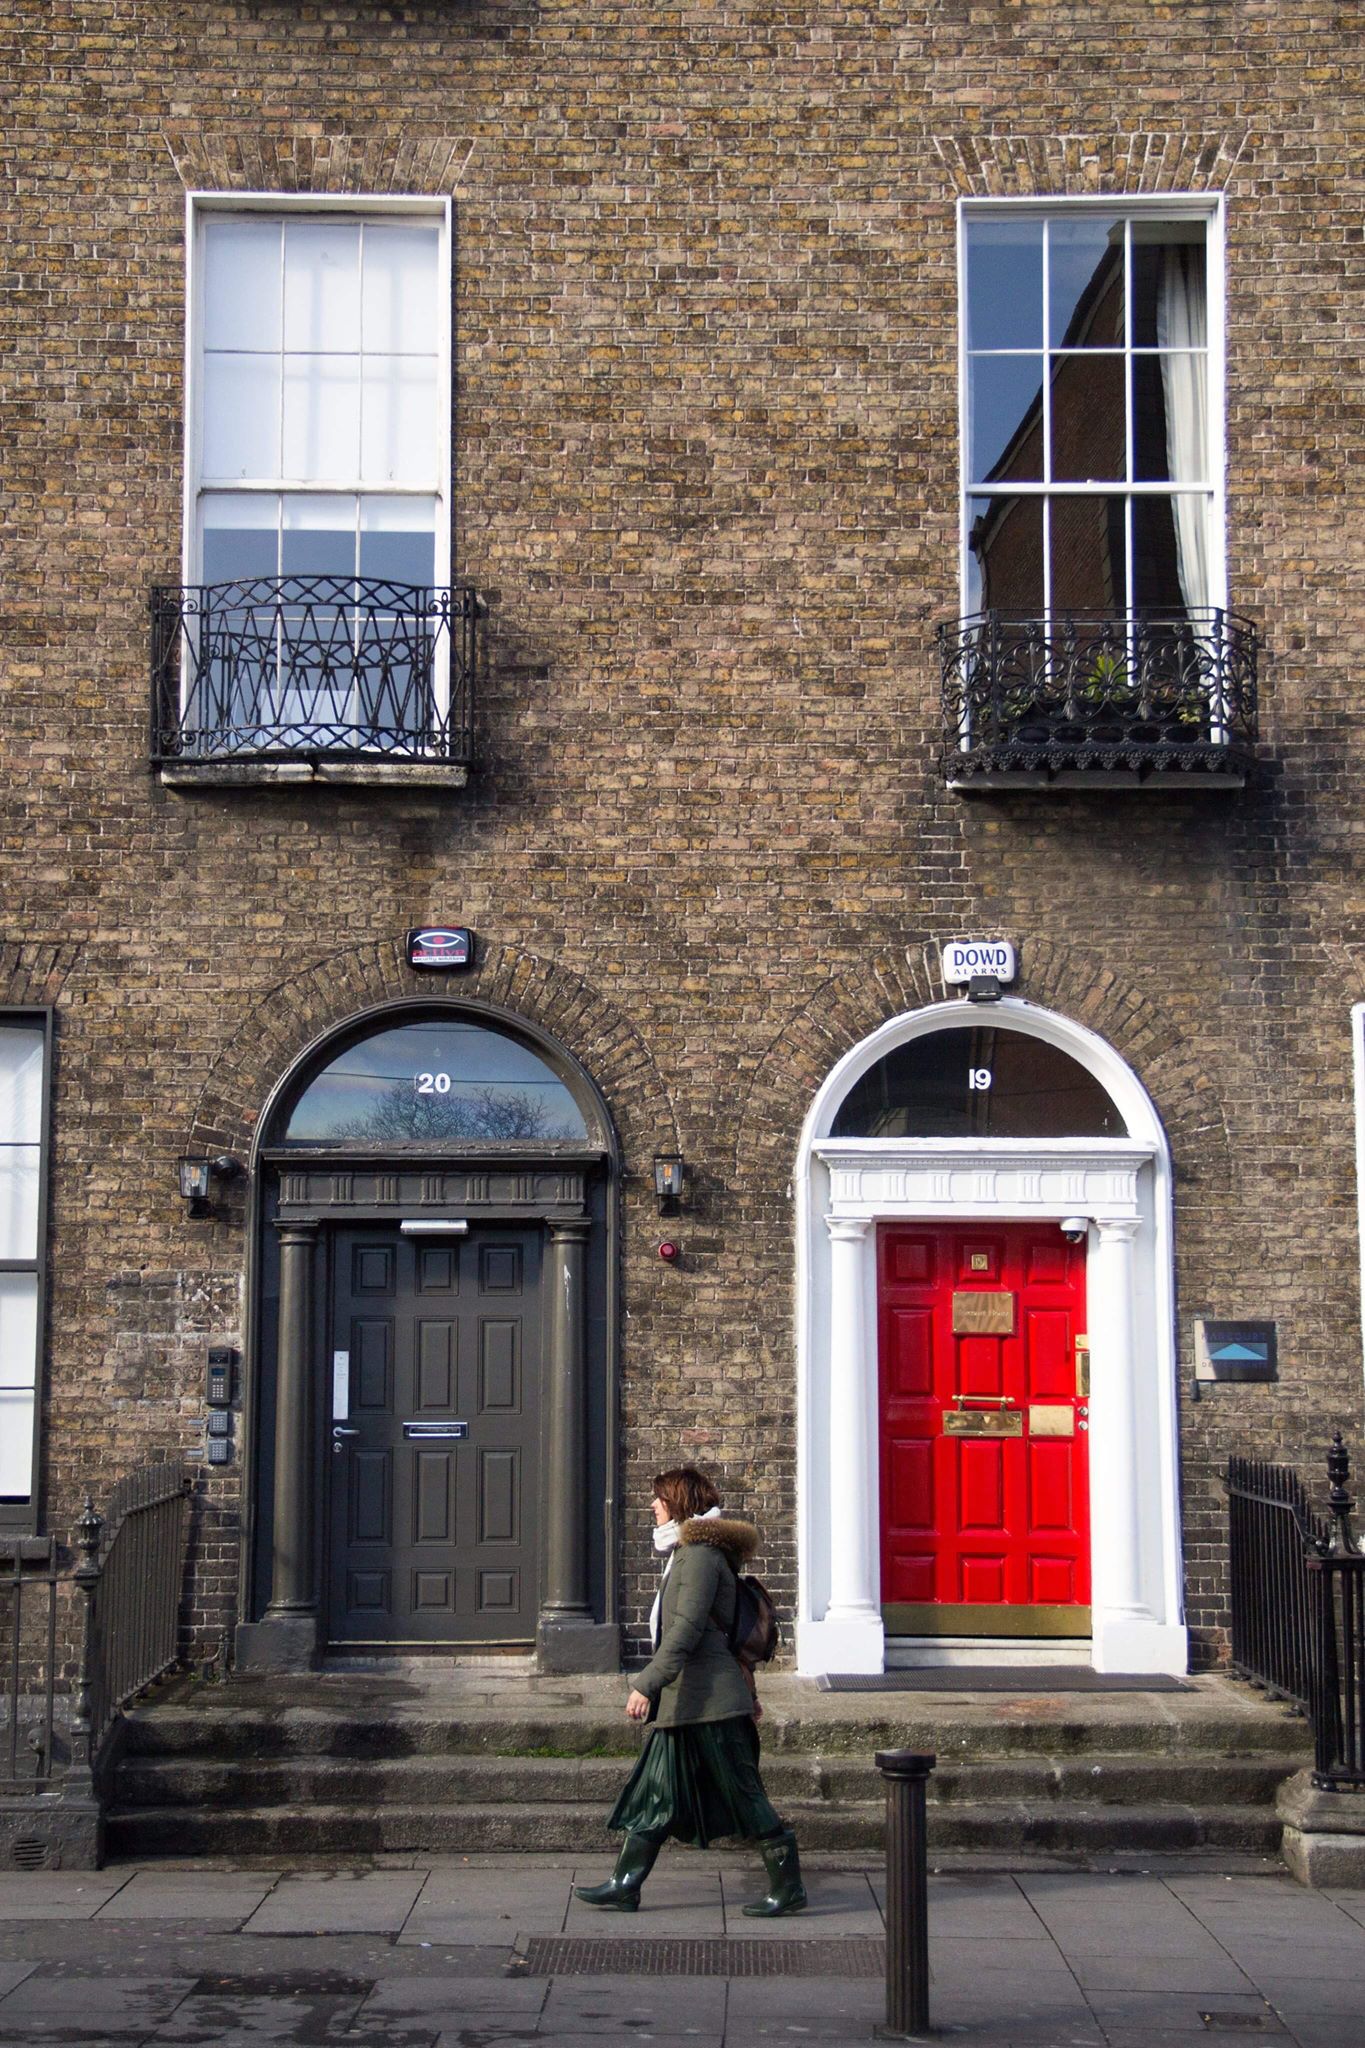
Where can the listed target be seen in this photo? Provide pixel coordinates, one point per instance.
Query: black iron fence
(312, 668)
(1298, 1605)
(82, 1641)
(1133, 693)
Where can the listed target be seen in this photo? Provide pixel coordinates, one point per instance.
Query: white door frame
(1122, 1186)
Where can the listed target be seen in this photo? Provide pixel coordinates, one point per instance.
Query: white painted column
(1122, 1618)
(850, 1635)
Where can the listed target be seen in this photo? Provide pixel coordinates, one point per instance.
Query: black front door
(433, 1466)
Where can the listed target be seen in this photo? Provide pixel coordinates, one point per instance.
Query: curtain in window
(1182, 336)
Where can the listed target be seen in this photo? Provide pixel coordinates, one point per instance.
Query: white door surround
(1122, 1186)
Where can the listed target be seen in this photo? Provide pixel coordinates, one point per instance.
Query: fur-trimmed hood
(740, 1539)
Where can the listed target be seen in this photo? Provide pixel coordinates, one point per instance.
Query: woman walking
(698, 1775)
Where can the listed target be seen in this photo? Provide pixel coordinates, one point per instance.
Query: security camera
(1074, 1229)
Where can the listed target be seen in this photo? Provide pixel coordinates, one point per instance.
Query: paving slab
(1327, 2032)
(455, 2002)
(209, 2022)
(375, 1902)
(458, 1907)
(1272, 1956)
(976, 1906)
(1306, 1997)
(839, 1905)
(13, 1974)
(688, 2007)
(84, 2009)
(58, 1894)
(965, 1959)
(1155, 1971)
(803, 2009)
(197, 1895)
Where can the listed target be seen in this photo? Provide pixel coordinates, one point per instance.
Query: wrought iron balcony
(1162, 698)
(300, 678)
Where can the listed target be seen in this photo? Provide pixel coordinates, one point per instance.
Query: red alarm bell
(668, 1251)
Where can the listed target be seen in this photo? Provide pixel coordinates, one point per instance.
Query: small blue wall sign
(1235, 1351)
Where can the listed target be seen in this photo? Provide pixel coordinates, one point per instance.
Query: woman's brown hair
(685, 1492)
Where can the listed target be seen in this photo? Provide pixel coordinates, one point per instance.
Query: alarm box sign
(440, 946)
(965, 958)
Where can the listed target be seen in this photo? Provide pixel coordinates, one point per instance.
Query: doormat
(597, 1955)
(996, 1678)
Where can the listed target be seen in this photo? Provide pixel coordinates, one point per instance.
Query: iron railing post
(906, 1772)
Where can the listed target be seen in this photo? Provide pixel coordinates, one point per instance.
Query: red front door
(984, 1413)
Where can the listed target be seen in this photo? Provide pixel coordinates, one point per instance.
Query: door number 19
(978, 1077)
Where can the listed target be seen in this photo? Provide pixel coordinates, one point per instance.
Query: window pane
(397, 539)
(18, 1201)
(18, 1330)
(1170, 414)
(400, 423)
(1169, 284)
(1004, 419)
(318, 536)
(923, 1090)
(1085, 282)
(321, 418)
(322, 287)
(437, 1081)
(1171, 552)
(398, 296)
(240, 536)
(21, 1084)
(1089, 438)
(1088, 556)
(1005, 284)
(242, 285)
(16, 1447)
(1005, 555)
(241, 417)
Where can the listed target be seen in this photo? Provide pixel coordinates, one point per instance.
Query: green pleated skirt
(697, 1782)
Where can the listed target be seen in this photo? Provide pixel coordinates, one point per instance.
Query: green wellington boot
(621, 1892)
(784, 1889)
(786, 1893)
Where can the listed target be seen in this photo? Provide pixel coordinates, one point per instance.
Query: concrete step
(1072, 1827)
(440, 1781)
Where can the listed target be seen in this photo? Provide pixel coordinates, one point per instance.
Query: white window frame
(1208, 207)
(20, 1517)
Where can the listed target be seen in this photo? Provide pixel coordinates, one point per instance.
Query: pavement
(458, 1953)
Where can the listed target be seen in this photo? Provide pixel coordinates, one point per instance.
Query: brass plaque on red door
(982, 1314)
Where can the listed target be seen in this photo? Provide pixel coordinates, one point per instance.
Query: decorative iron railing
(1298, 1605)
(121, 1602)
(312, 668)
(1132, 693)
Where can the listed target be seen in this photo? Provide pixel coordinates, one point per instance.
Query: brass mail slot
(982, 1422)
(979, 1314)
(1049, 1419)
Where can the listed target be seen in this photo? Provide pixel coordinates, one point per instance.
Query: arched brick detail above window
(33, 974)
(296, 1013)
(1075, 983)
(303, 159)
(1059, 166)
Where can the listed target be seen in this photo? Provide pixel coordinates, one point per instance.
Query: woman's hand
(637, 1706)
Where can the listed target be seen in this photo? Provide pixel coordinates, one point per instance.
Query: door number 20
(978, 1077)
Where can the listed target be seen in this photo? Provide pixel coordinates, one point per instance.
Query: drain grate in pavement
(1239, 2022)
(577, 1955)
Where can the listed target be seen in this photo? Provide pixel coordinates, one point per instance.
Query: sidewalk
(473, 1952)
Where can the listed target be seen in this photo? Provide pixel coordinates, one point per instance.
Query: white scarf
(666, 1539)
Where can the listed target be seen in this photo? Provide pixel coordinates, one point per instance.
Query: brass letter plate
(982, 1422)
(978, 1314)
(1045, 1419)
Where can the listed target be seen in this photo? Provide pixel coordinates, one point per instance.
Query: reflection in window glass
(1085, 282)
(436, 1082)
(972, 1083)
(1005, 556)
(1005, 421)
(22, 1061)
(1005, 284)
(1089, 432)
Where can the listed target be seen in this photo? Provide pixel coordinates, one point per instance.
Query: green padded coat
(694, 1675)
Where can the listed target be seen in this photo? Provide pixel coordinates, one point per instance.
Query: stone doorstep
(1324, 1833)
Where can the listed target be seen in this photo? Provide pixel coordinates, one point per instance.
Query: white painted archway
(844, 1187)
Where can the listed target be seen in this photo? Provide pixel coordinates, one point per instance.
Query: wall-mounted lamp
(668, 1181)
(197, 1177)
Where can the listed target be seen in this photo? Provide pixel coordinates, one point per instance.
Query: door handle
(339, 1430)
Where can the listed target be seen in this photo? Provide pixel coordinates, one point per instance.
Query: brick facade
(706, 476)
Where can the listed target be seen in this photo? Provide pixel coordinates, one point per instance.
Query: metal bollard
(906, 1772)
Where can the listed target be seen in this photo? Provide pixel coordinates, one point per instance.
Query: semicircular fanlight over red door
(984, 1403)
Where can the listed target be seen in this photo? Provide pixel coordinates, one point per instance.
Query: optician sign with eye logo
(440, 946)
(964, 958)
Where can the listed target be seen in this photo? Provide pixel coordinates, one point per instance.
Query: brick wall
(706, 472)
